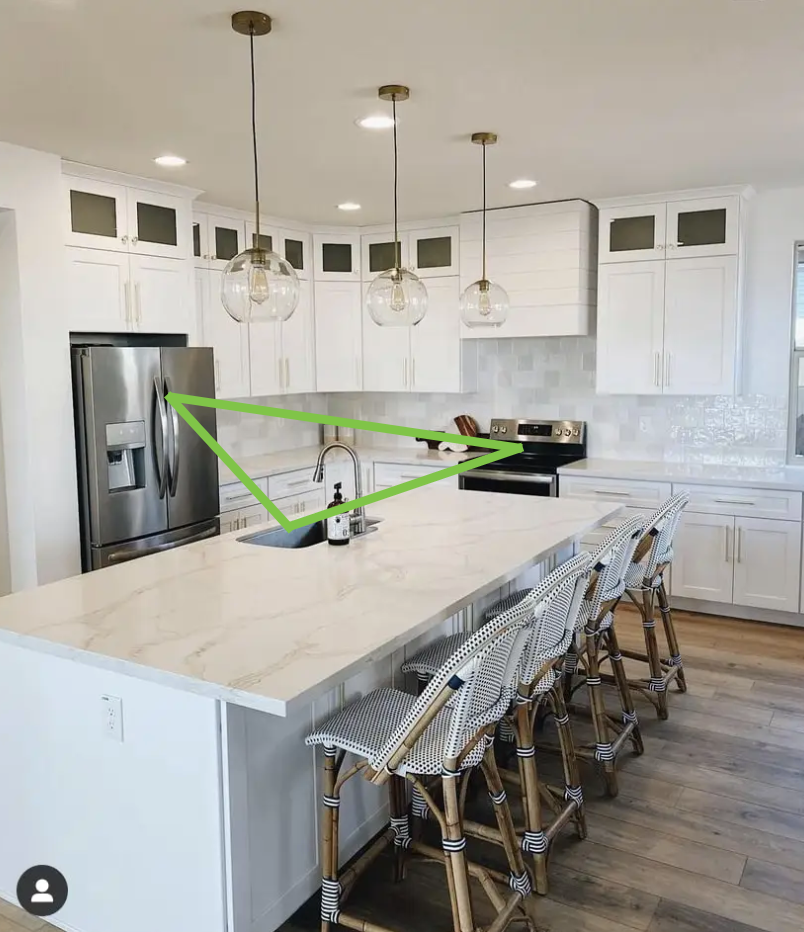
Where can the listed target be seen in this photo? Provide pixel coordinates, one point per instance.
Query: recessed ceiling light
(522, 183)
(376, 122)
(170, 161)
(349, 205)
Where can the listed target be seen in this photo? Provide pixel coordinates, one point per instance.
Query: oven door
(514, 483)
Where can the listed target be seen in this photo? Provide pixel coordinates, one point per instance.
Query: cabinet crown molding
(79, 170)
(668, 197)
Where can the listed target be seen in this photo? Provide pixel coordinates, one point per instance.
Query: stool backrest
(658, 533)
(556, 605)
(611, 560)
(480, 678)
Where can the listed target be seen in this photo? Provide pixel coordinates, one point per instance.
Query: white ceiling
(593, 98)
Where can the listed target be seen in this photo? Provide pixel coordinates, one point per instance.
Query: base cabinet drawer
(235, 495)
(387, 475)
(637, 494)
(746, 503)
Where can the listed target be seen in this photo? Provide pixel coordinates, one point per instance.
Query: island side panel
(137, 822)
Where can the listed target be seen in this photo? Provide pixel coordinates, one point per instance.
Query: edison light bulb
(484, 304)
(396, 298)
(259, 285)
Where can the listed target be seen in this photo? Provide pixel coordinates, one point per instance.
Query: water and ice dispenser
(125, 455)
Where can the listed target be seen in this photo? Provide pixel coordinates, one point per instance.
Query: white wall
(135, 827)
(35, 384)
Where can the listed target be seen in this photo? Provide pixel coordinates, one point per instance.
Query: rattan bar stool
(596, 642)
(645, 586)
(446, 732)
(553, 608)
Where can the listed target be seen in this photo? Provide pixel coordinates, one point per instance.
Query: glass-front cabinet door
(96, 213)
(635, 232)
(434, 252)
(336, 257)
(156, 225)
(227, 238)
(268, 238)
(703, 227)
(378, 252)
(294, 246)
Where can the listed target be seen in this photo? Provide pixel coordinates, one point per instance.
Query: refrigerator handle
(123, 556)
(161, 470)
(174, 459)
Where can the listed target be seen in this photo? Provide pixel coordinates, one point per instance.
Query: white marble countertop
(265, 627)
(786, 478)
(272, 464)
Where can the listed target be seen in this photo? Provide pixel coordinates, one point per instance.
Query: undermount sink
(301, 537)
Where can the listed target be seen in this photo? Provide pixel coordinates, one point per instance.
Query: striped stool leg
(656, 686)
(626, 697)
(672, 640)
(400, 823)
(535, 841)
(519, 880)
(604, 752)
(453, 842)
(569, 759)
(330, 885)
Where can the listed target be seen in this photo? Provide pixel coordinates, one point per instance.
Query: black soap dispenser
(338, 528)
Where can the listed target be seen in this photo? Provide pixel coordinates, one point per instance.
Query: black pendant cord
(254, 138)
(484, 211)
(396, 191)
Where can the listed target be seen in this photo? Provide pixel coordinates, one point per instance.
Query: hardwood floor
(707, 834)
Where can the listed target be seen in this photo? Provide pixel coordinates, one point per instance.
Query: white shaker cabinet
(767, 564)
(228, 339)
(282, 353)
(162, 295)
(336, 257)
(98, 290)
(217, 240)
(700, 326)
(633, 233)
(703, 564)
(338, 336)
(630, 329)
(386, 355)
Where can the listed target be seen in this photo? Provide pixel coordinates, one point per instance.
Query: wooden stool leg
(624, 690)
(656, 685)
(519, 880)
(398, 800)
(330, 885)
(672, 641)
(454, 844)
(569, 759)
(535, 841)
(604, 751)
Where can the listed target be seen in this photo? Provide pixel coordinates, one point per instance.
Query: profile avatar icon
(42, 890)
(42, 895)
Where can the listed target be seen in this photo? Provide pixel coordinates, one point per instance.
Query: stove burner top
(546, 444)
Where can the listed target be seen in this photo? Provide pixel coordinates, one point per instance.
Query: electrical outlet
(644, 424)
(112, 718)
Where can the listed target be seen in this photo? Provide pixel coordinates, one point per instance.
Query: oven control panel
(538, 431)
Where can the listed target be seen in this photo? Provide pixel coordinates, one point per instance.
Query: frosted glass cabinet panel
(629, 233)
(336, 257)
(704, 227)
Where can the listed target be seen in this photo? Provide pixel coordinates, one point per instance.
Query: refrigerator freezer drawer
(157, 543)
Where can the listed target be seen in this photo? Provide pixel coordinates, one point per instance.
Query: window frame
(796, 356)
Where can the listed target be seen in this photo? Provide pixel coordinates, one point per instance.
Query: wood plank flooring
(707, 834)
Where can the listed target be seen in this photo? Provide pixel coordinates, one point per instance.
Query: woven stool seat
(429, 660)
(364, 727)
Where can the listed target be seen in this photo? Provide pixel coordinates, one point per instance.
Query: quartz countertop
(272, 464)
(267, 628)
(785, 478)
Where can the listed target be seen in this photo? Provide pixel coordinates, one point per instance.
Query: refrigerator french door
(147, 482)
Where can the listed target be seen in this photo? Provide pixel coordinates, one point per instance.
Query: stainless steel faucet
(358, 518)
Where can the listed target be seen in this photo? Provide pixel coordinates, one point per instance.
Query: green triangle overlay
(179, 402)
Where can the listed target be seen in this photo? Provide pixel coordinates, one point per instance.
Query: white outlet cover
(112, 722)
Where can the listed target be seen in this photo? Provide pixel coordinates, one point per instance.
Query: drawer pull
(238, 498)
(299, 482)
(611, 492)
(733, 501)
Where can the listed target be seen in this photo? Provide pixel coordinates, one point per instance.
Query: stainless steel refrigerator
(147, 482)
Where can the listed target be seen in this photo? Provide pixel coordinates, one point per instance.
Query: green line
(500, 450)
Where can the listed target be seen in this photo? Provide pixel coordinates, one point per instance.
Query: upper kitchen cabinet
(217, 240)
(676, 227)
(544, 256)
(228, 339)
(337, 257)
(670, 325)
(282, 354)
(295, 246)
(378, 253)
(268, 238)
(430, 252)
(338, 337)
(110, 215)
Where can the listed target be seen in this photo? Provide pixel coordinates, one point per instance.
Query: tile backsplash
(555, 378)
(543, 378)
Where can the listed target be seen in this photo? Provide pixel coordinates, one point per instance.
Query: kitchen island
(153, 714)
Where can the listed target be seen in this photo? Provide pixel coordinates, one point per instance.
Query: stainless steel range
(546, 446)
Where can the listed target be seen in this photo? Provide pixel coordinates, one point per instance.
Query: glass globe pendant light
(484, 303)
(258, 285)
(397, 297)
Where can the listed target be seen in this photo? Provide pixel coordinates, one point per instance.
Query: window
(797, 368)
